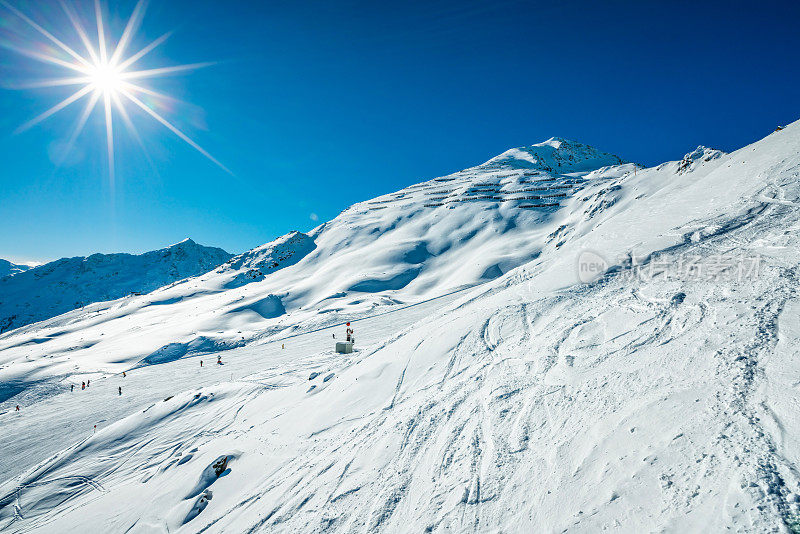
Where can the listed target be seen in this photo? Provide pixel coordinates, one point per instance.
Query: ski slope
(525, 398)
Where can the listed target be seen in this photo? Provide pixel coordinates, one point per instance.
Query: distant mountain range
(31, 295)
(8, 269)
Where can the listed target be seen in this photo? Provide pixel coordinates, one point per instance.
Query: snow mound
(267, 307)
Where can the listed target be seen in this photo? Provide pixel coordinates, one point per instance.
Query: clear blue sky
(315, 105)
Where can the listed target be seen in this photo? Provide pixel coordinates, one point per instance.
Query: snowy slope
(444, 235)
(647, 399)
(7, 268)
(69, 283)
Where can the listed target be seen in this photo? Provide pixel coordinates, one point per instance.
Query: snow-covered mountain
(69, 283)
(554, 340)
(432, 238)
(7, 268)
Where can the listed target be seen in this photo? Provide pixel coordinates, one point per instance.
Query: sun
(106, 78)
(104, 75)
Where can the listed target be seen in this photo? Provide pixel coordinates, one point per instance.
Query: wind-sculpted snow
(650, 397)
(69, 283)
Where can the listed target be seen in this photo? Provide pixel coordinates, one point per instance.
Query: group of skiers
(348, 337)
(86, 384)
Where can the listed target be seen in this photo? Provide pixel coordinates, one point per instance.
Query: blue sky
(317, 105)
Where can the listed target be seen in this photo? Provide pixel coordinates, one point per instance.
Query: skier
(87, 382)
(123, 374)
(17, 407)
(219, 360)
(83, 386)
(120, 390)
(334, 336)
(349, 332)
(201, 363)
(71, 388)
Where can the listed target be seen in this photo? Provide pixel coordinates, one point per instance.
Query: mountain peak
(700, 154)
(184, 242)
(554, 142)
(556, 154)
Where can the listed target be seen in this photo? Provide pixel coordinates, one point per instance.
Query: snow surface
(491, 390)
(69, 283)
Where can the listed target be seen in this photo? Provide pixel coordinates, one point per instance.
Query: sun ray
(44, 58)
(58, 107)
(46, 33)
(55, 82)
(109, 138)
(76, 131)
(76, 23)
(78, 128)
(144, 51)
(127, 120)
(101, 34)
(133, 21)
(173, 129)
(148, 92)
(132, 129)
(149, 73)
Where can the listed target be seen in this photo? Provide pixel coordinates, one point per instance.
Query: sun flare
(105, 75)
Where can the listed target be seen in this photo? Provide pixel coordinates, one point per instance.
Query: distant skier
(334, 336)
(349, 332)
(123, 374)
(17, 407)
(201, 363)
(83, 386)
(120, 390)
(71, 388)
(219, 360)
(87, 382)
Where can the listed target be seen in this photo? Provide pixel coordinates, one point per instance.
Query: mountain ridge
(69, 283)
(8, 268)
